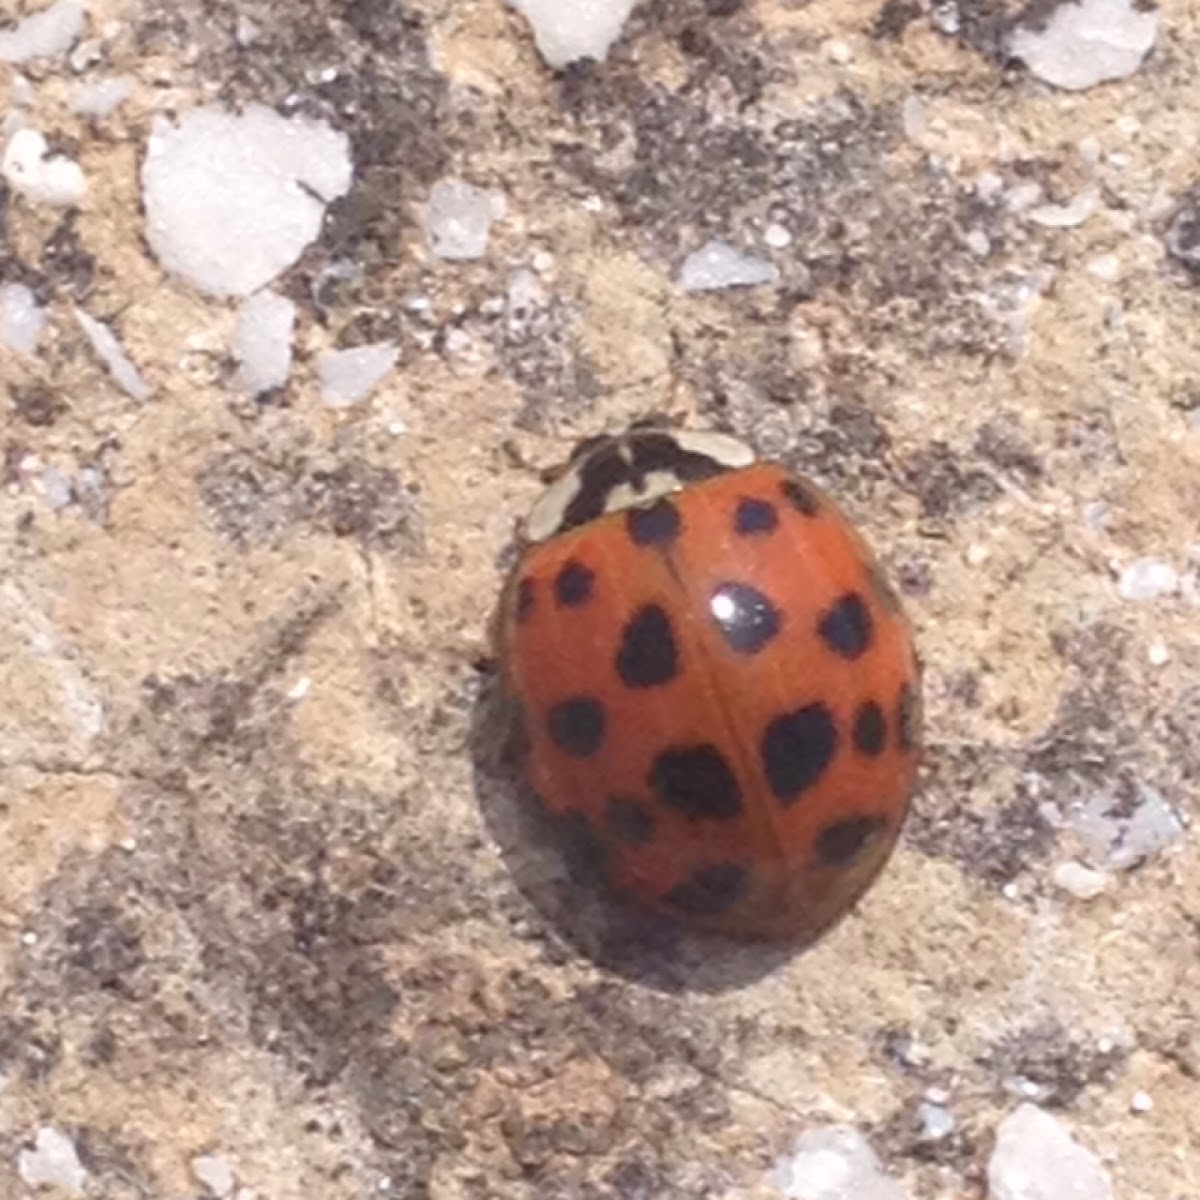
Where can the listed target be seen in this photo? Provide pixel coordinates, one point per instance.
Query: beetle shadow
(558, 867)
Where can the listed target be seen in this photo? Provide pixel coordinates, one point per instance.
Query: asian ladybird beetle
(715, 681)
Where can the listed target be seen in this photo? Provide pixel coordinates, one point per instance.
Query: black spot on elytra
(870, 729)
(525, 600)
(647, 656)
(747, 619)
(846, 628)
(629, 820)
(577, 726)
(754, 516)
(839, 844)
(710, 890)
(698, 782)
(908, 719)
(654, 526)
(800, 497)
(573, 584)
(796, 749)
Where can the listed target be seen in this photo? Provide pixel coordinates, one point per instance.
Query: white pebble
(348, 376)
(22, 319)
(836, 1163)
(946, 18)
(937, 1122)
(989, 186)
(45, 34)
(233, 199)
(1106, 267)
(807, 350)
(1095, 516)
(777, 236)
(913, 119)
(262, 342)
(1035, 1158)
(978, 243)
(105, 343)
(524, 296)
(838, 52)
(21, 93)
(1157, 654)
(719, 265)
(100, 97)
(458, 219)
(1023, 196)
(1087, 43)
(1081, 882)
(1147, 579)
(1141, 1102)
(215, 1174)
(566, 33)
(1066, 216)
(29, 168)
(53, 1162)
(56, 489)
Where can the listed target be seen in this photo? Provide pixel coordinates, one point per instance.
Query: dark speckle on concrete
(995, 845)
(1060, 1064)
(946, 484)
(264, 492)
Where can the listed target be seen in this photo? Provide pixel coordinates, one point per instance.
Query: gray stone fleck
(719, 265)
(1087, 43)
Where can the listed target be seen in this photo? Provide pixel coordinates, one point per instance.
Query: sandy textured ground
(254, 897)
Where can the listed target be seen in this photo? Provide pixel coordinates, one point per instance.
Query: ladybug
(716, 683)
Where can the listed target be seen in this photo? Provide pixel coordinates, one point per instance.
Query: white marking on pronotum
(547, 516)
(726, 450)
